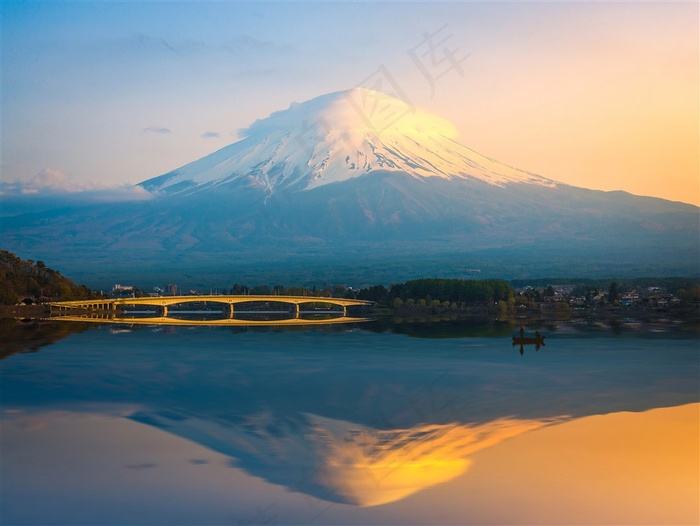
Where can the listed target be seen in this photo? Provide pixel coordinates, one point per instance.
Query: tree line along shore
(26, 285)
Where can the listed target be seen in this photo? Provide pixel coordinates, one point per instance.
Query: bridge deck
(164, 301)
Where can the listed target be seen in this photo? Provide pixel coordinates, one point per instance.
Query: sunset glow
(597, 95)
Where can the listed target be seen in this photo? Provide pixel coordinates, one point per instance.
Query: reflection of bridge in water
(113, 310)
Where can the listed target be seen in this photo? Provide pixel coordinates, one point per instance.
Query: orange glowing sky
(598, 95)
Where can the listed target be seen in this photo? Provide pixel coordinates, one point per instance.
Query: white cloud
(211, 135)
(119, 193)
(48, 180)
(249, 43)
(52, 182)
(157, 129)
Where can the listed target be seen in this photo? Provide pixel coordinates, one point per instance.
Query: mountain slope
(359, 185)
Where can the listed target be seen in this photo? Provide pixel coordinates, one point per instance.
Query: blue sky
(592, 94)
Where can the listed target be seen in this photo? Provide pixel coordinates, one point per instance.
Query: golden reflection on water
(619, 468)
(369, 467)
(340, 461)
(228, 322)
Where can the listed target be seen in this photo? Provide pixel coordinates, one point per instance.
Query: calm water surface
(366, 424)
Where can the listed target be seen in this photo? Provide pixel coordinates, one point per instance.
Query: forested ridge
(22, 279)
(429, 290)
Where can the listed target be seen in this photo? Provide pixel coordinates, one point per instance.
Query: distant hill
(32, 280)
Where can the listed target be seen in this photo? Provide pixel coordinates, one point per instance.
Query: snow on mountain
(336, 137)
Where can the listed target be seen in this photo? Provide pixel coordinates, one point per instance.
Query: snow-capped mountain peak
(336, 137)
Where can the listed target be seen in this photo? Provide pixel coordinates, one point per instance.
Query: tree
(261, 290)
(238, 290)
(20, 278)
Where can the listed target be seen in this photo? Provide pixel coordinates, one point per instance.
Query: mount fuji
(336, 138)
(358, 185)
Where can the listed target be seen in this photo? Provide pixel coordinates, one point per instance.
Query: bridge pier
(165, 311)
(296, 311)
(230, 311)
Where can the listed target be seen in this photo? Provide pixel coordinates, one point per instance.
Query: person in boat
(537, 335)
(522, 331)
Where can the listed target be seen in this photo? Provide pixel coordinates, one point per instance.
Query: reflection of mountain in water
(355, 417)
(340, 461)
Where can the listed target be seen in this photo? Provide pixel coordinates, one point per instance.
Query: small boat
(523, 340)
(537, 341)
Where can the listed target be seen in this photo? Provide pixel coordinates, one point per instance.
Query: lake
(372, 423)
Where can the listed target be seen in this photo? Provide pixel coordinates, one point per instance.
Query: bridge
(227, 301)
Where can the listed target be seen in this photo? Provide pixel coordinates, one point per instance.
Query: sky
(598, 95)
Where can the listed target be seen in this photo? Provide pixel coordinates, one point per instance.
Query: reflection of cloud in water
(340, 461)
(144, 465)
